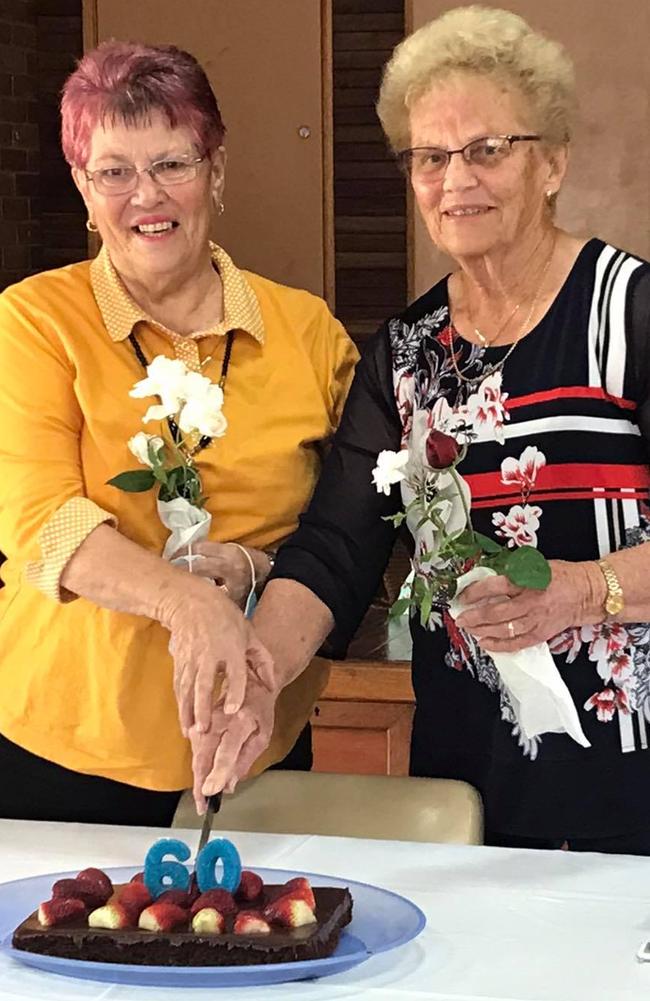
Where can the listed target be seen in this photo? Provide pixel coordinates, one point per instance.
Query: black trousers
(622, 844)
(32, 788)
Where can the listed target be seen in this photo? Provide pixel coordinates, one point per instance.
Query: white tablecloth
(502, 924)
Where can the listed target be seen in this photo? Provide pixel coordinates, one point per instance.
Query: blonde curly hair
(487, 42)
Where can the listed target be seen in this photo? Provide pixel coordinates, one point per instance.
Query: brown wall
(19, 141)
(607, 191)
(263, 58)
(41, 214)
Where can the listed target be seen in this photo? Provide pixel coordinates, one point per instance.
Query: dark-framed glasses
(122, 178)
(432, 161)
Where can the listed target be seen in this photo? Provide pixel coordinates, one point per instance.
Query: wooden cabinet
(362, 723)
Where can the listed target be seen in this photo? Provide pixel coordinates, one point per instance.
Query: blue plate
(381, 920)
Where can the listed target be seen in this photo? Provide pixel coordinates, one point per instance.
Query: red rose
(441, 450)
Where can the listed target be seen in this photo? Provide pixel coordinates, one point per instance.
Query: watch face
(614, 605)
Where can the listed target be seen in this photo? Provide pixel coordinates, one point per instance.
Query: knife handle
(214, 802)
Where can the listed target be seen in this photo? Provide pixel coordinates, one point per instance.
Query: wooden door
(263, 58)
(607, 190)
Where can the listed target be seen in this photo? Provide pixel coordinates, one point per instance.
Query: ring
(511, 630)
(224, 587)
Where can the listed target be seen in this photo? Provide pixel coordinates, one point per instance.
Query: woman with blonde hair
(542, 339)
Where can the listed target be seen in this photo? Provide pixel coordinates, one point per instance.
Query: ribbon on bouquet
(540, 698)
(189, 525)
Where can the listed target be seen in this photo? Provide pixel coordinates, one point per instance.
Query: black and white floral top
(560, 462)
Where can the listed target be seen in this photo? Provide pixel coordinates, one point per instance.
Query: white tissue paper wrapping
(188, 525)
(540, 699)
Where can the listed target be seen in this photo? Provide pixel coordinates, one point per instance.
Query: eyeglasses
(430, 162)
(119, 180)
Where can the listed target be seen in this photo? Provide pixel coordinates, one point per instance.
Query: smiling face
(152, 233)
(470, 210)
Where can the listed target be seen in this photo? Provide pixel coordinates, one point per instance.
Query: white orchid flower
(140, 444)
(203, 413)
(165, 378)
(390, 469)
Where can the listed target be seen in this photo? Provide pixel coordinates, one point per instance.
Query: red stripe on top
(569, 393)
(570, 495)
(579, 475)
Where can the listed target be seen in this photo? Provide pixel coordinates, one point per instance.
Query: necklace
(205, 440)
(499, 365)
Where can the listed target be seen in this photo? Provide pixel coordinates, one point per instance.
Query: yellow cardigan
(89, 688)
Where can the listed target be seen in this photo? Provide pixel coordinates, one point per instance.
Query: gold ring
(511, 630)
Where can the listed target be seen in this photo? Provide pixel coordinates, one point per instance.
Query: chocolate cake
(185, 947)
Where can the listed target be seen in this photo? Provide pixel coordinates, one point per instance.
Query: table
(502, 924)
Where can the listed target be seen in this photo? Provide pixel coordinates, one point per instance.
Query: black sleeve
(637, 325)
(342, 544)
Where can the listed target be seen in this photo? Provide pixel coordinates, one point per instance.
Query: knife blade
(214, 805)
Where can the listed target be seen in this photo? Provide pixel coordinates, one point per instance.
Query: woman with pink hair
(108, 651)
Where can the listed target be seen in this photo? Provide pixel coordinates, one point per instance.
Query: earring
(549, 195)
(90, 226)
(221, 208)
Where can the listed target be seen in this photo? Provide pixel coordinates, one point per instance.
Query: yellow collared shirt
(83, 686)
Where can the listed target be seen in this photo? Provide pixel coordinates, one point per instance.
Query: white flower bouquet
(450, 554)
(192, 407)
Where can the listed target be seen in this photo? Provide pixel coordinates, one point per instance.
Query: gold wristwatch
(614, 602)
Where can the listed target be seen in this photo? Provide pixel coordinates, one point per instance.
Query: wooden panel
(264, 59)
(369, 201)
(606, 192)
(362, 738)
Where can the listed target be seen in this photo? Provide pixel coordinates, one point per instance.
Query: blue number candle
(161, 875)
(219, 850)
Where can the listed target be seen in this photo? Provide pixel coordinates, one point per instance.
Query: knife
(214, 805)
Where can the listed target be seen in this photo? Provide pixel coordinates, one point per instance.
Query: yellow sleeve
(44, 513)
(336, 358)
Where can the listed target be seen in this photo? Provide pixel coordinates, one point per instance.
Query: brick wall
(41, 215)
(19, 142)
(63, 232)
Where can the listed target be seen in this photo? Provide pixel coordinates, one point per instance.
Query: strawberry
(300, 888)
(76, 889)
(221, 900)
(134, 897)
(250, 886)
(60, 912)
(112, 915)
(251, 923)
(96, 880)
(289, 911)
(208, 921)
(138, 878)
(162, 917)
(179, 897)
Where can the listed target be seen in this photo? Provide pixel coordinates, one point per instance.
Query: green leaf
(487, 545)
(425, 608)
(134, 481)
(526, 567)
(399, 607)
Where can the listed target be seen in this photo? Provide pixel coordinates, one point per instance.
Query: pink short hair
(126, 82)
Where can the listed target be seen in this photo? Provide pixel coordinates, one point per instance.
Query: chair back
(387, 807)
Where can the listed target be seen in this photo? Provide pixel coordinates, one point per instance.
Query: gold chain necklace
(490, 370)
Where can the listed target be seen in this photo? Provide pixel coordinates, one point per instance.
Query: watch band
(614, 601)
